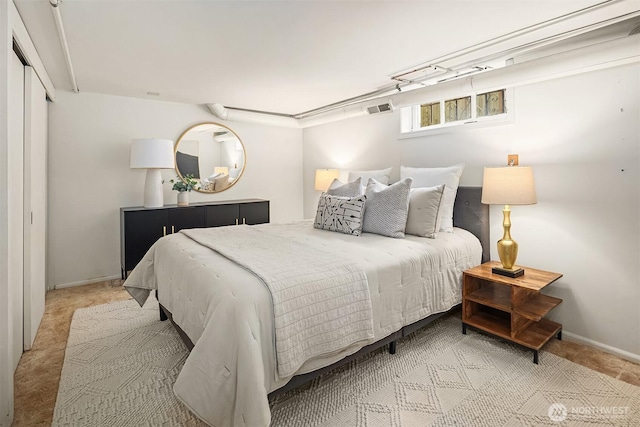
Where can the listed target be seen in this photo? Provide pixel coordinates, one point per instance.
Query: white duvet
(227, 311)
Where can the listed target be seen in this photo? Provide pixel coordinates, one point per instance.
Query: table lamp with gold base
(508, 185)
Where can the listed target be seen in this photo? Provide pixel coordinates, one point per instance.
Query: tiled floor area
(38, 374)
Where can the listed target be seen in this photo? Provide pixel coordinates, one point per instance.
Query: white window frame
(410, 117)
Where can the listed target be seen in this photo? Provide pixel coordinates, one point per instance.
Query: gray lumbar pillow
(351, 189)
(387, 208)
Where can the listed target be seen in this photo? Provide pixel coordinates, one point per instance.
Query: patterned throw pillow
(351, 189)
(341, 214)
(387, 208)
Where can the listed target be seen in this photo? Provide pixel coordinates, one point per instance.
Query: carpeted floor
(120, 363)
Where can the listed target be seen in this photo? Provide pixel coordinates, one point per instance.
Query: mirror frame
(190, 128)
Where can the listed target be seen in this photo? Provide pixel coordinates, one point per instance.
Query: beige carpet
(121, 362)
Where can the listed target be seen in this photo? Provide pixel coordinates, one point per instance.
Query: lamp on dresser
(508, 185)
(152, 154)
(223, 170)
(324, 178)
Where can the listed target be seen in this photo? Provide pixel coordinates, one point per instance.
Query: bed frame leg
(392, 347)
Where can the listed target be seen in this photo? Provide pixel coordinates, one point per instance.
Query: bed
(226, 315)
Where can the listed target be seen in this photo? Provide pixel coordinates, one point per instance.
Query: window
(430, 114)
(490, 104)
(488, 107)
(457, 109)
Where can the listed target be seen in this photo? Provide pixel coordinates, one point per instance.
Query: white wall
(581, 134)
(90, 179)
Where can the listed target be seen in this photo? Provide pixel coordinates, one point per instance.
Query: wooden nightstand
(511, 308)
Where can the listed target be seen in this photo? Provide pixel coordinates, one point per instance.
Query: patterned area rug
(121, 362)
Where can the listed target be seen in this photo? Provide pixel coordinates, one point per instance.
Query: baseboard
(635, 358)
(6, 420)
(86, 282)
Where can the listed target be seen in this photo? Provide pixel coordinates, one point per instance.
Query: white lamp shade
(224, 170)
(152, 153)
(508, 185)
(324, 178)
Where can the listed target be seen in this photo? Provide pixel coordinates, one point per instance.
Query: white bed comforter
(227, 311)
(320, 300)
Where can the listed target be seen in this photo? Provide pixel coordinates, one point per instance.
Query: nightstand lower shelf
(534, 337)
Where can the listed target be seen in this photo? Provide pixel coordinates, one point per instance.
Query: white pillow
(350, 189)
(382, 175)
(425, 211)
(387, 207)
(431, 177)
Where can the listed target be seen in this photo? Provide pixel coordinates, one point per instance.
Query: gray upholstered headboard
(469, 213)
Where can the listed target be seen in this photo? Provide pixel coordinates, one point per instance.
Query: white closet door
(35, 203)
(15, 189)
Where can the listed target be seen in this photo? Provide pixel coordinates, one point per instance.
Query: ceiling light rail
(516, 35)
(567, 63)
(477, 67)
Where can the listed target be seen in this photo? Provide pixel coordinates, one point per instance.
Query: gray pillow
(425, 211)
(341, 214)
(351, 189)
(387, 208)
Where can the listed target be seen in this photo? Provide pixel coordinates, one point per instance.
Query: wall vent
(379, 108)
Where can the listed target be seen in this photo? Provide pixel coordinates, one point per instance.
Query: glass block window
(490, 103)
(457, 109)
(465, 110)
(430, 114)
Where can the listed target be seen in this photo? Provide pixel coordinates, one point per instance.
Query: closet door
(15, 198)
(35, 203)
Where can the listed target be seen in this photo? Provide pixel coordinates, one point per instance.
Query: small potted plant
(183, 186)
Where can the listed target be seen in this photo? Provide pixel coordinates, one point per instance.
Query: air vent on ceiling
(379, 108)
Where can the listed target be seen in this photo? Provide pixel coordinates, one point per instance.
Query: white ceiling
(280, 56)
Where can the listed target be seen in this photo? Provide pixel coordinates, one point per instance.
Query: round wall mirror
(212, 154)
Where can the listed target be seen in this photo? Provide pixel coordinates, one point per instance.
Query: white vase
(183, 198)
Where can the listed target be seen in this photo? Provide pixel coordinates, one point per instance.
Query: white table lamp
(509, 185)
(324, 178)
(224, 170)
(152, 154)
